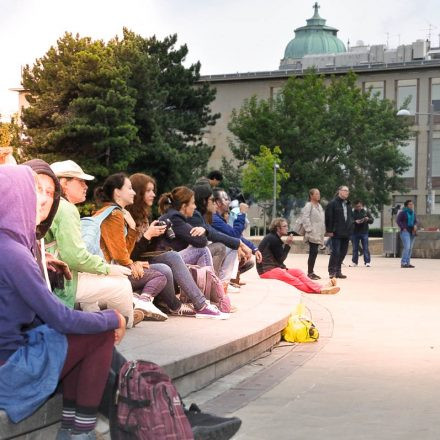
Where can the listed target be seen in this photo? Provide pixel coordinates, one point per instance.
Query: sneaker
(353, 265)
(138, 316)
(185, 310)
(313, 276)
(404, 266)
(341, 275)
(210, 311)
(64, 434)
(90, 435)
(151, 312)
(232, 289)
(330, 290)
(209, 427)
(410, 266)
(367, 265)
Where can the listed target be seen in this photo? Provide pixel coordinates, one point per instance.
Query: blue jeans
(408, 243)
(364, 240)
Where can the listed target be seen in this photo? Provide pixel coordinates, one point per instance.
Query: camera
(169, 233)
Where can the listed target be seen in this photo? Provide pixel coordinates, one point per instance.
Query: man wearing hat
(94, 282)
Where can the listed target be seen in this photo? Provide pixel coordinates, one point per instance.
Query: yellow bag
(299, 328)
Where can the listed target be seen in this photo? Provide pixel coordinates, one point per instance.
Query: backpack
(148, 405)
(91, 230)
(211, 286)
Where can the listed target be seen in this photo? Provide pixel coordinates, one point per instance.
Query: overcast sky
(225, 35)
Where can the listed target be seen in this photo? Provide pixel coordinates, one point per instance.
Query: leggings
(313, 252)
(86, 369)
(182, 276)
(295, 277)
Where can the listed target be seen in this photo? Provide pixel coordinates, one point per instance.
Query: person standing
(338, 226)
(362, 218)
(314, 224)
(407, 222)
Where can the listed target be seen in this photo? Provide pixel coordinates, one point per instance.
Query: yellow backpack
(299, 328)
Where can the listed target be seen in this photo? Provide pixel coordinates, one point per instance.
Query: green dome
(315, 38)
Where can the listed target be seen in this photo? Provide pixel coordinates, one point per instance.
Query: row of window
(410, 150)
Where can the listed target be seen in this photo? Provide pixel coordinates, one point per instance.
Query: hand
(244, 208)
(245, 250)
(55, 265)
(289, 239)
(198, 231)
(154, 230)
(145, 264)
(115, 270)
(258, 256)
(120, 331)
(129, 219)
(137, 270)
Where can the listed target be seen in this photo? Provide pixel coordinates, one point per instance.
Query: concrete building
(408, 70)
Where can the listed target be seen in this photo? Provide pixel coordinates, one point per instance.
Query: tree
(329, 135)
(258, 176)
(126, 105)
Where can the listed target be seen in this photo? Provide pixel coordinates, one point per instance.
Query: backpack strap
(104, 214)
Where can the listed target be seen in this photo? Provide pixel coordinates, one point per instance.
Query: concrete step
(194, 352)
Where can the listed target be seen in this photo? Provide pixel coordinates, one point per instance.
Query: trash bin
(391, 242)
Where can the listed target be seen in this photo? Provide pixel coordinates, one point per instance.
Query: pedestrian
(313, 221)
(339, 226)
(407, 222)
(362, 219)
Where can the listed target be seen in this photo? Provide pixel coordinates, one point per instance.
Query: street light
(431, 114)
(274, 208)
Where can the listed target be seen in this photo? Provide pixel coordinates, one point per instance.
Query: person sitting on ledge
(272, 266)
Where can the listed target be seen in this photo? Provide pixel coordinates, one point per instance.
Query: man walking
(338, 226)
(362, 218)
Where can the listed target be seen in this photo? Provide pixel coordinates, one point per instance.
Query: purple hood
(18, 204)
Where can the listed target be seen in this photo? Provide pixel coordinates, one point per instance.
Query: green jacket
(64, 241)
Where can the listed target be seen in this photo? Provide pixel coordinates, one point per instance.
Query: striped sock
(85, 420)
(68, 414)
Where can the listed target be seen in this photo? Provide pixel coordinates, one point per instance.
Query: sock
(68, 414)
(85, 420)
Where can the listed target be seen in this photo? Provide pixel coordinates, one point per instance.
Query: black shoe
(209, 427)
(404, 266)
(313, 276)
(410, 265)
(340, 275)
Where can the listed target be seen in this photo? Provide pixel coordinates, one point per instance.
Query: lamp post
(431, 114)
(274, 208)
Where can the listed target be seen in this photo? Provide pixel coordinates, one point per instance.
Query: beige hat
(68, 168)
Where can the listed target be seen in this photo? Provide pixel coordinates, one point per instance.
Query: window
(435, 98)
(436, 156)
(407, 89)
(409, 150)
(376, 87)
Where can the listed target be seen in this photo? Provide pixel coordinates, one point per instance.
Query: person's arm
(249, 244)
(182, 229)
(278, 249)
(305, 217)
(112, 233)
(66, 229)
(233, 231)
(400, 220)
(29, 285)
(329, 218)
(370, 218)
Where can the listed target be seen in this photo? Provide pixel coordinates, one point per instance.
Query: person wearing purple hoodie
(72, 347)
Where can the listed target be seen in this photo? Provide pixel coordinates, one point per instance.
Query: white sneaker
(352, 265)
(233, 289)
(151, 312)
(211, 312)
(367, 265)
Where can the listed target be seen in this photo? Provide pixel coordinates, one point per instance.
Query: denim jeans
(182, 276)
(339, 248)
(199, 256)
(364, 240)
(408, 243)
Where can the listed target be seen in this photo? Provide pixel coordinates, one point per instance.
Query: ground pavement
(373, 375)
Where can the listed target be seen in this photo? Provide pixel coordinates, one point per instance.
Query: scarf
(410, 216)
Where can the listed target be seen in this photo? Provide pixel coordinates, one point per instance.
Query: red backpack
(148, 405)
(211, 286)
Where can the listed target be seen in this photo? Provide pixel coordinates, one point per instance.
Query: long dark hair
(105, 193)
(175, 199)
(139, 210)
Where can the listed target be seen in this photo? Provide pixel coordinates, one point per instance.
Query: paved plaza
(373, 375)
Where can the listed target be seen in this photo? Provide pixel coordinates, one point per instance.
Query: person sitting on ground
(214, 179)
(274, 253)
(118, 237)
(149, 246)
(93, 281)
(362, 219)
(222, 201)
(68, 346)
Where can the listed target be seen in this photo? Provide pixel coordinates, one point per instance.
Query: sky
(226, 36)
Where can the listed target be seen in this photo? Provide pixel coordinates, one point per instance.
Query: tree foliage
(126, 105)
(258, 176)
(330, 134)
